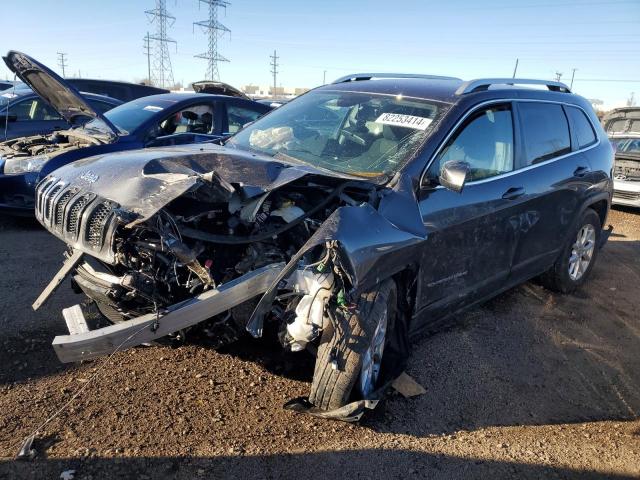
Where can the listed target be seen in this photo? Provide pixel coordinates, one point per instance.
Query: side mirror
(454, 175)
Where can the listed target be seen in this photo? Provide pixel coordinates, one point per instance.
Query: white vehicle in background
(623, 127)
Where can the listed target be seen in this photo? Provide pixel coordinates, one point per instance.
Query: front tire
(578, 256)
(353, 350)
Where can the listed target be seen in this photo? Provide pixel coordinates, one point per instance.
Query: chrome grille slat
(75, 214)
(96, 224)
(49, 200)
(58, 220)
(626, 195)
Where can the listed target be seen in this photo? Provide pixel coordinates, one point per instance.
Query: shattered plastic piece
(352, 412)
(27, 452)
(407, 386)
(68, 475)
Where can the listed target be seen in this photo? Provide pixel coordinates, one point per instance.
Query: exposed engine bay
(197, 242)
(203, 234)
(53, 144)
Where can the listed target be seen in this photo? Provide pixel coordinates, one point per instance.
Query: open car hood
(217, 88)
(65, 99)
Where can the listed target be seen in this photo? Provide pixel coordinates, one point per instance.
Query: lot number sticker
(408, 121)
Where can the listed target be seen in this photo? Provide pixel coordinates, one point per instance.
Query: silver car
(623, 127)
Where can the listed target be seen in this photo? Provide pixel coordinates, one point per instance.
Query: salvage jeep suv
(346, 221)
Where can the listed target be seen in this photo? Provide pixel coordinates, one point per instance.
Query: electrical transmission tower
(162, 73)
(274, 70)
(62, 61)
(213, 29)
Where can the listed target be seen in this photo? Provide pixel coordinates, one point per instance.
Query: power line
(162, 73)
(147, 52)
(213, 29)
(274, 70)
(62, 62)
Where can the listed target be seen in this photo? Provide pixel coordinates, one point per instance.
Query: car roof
(24, 91)
(449, 89)
(442, 90)
(178, 97)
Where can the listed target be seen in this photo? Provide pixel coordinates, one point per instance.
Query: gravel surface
(530, 385)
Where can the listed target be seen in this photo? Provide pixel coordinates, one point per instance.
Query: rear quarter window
(582, 128)
(545, 130)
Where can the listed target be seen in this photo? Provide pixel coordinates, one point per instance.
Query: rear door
(555, 177)
(472, 235)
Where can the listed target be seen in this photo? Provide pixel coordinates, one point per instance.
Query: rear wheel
(350, 353)
(578, 256)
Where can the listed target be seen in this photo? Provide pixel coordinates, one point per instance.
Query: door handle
(581, 171)
(513, 193)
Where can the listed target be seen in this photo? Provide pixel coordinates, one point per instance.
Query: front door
(472, 235)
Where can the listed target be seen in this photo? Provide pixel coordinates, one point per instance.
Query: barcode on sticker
(408, 121)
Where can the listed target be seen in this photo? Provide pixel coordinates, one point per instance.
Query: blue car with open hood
(153, 121)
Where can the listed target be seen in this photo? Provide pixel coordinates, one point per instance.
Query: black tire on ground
(331, 388)
(557, 278)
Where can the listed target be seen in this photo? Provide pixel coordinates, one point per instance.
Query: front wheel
(578, 256)
(350, 351)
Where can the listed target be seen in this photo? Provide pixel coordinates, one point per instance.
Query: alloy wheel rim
(582, 252)
(372, 358)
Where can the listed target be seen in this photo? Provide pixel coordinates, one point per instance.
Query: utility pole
(573, 74)
(214, 29)
(515, 69)
(62, 62)
(558, 76)
(147, 49)
(162, 71)
(274, 70)
(324, 78)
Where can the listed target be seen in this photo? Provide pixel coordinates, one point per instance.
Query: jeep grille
(82, 219)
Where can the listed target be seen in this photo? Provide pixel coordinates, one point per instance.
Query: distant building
(262, 91)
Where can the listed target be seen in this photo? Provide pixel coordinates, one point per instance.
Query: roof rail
(354, 77)
(480, 84)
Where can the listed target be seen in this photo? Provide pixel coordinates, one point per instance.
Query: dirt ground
(530, 385)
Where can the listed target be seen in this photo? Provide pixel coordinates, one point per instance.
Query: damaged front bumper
(84, 344)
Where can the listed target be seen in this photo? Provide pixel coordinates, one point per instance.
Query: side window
(485, 142)
(546, 131)
(99, 106)
(33, 109)
(237, 117)
(582, 127)
(193, 119)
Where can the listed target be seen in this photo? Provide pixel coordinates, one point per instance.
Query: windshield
(131, 115)
(627, 145)
(362, 134)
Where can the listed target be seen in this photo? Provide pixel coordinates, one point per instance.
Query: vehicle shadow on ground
(367, 463)
(528, 357)
(531, 357)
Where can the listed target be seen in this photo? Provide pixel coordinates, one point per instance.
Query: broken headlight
(24, 164)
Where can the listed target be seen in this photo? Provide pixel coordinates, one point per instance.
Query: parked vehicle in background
(24, 113)
(623, 127)
(153, 121)
(218, 88)
(344, 221)
(123, 91)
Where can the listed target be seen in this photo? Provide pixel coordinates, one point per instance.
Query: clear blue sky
(104, 39)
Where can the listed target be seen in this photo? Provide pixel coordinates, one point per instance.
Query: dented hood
(143, 181)
(64, 98)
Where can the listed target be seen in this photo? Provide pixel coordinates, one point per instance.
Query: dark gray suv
(344, 222)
